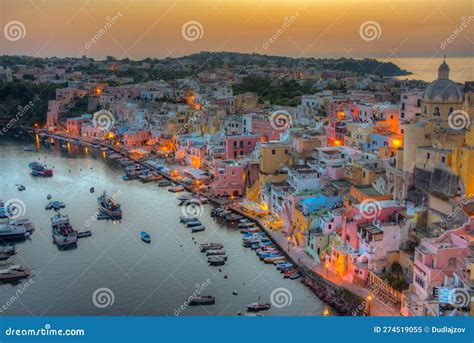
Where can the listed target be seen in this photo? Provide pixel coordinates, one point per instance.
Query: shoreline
(345, 298)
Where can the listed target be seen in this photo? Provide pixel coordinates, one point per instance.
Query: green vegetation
(79, 108)
(15, 95)
(395, 277)
(284, 93)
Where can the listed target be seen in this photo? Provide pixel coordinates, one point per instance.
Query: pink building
(228, 178)
(370, 232)
(73, 125)
(436, 265)
(134, 139)
(236, 146)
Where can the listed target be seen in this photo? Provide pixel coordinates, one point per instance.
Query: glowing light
(98, 91)
(337, 142)
(327, 265)
(396, 143)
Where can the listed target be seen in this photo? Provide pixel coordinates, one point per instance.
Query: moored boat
(176, 189)
(202, 300)
(198, 228)
(258, 306)
(62, 231)
(145, 237)
(38, 169)
(108, 208)
(211, 246)
(14, 272)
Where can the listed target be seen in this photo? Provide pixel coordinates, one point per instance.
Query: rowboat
(198, 228)
(211, 246)
(145, 236)
(202, 300)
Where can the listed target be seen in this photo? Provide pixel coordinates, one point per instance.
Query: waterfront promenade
(296, 254)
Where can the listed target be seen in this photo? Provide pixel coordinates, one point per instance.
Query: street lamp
(369, 300)
(327, 270)
(288, 240)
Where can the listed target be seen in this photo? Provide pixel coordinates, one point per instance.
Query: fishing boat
(49, 196)
(21, 188)
(55, 205)
(176, 189)
(202, 300)
(150, 177)
(215, 252)
(14, 272)
(38, 169)
(185, 220)
(193, 223)
(164, 183)
(211, 246)
(295, 276)
(250, 230)
(258, 306)
(272, 259)
(108, 207)
(91, 190)
(145, 236)
(288, 273)
(217, 260)
(62, 231)
(198, 228)
(15, 229)
(245, 225)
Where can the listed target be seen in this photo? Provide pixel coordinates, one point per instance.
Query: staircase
(253, 191)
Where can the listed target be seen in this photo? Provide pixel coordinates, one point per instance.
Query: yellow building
(463, 162)
(274, 157)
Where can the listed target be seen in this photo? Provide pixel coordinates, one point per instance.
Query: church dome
(443, 90)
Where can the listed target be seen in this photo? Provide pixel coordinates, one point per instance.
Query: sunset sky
(318, 28)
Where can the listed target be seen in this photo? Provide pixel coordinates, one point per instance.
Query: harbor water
(113, 272)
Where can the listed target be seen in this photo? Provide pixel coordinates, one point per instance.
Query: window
(452, 262)
(443, 159)
(428, 155)
(436, 112)
(273, 151)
